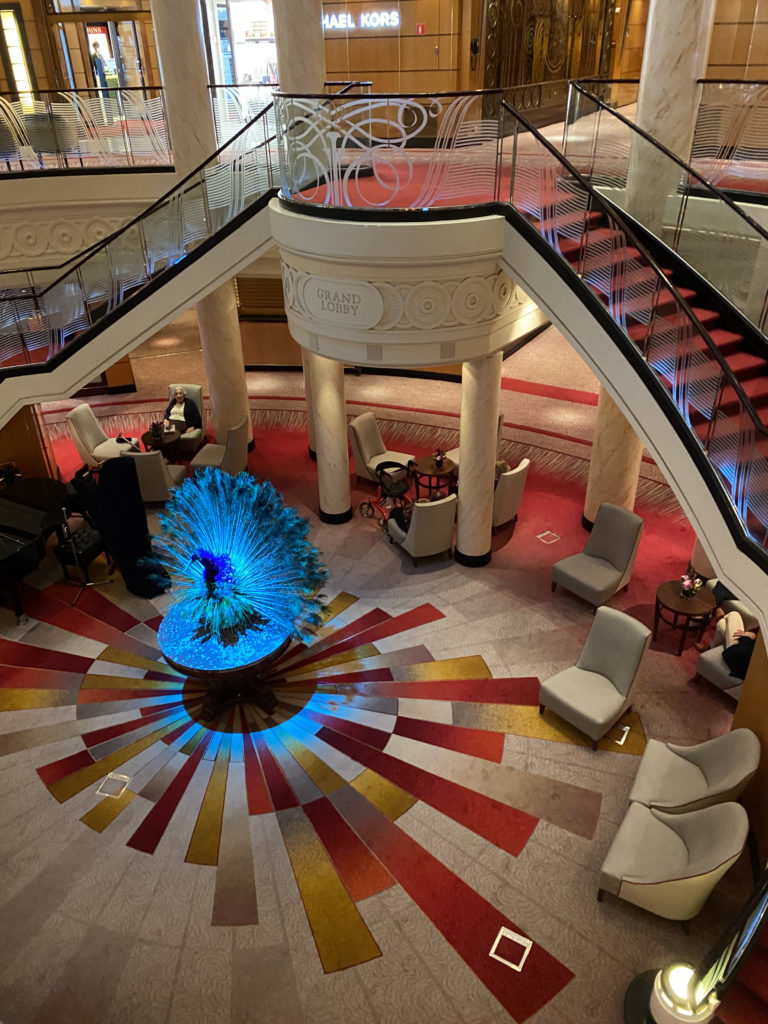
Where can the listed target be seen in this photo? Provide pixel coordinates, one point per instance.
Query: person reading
(182, 413)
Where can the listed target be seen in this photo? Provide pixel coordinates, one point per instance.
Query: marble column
(327, 384)
(311, 442)
(478, 432)
(614, 467)
(193, 140)
(301, 68)
(674, 57)
(300, 46)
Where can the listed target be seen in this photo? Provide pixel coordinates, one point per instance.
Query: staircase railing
(730, 139)
(419, 154)
(39, 326)
(694, 218)
(83, 129)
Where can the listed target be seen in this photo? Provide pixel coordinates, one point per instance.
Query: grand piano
(30, 511)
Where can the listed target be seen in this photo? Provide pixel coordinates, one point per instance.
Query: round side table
(688, 614)
(425, 471)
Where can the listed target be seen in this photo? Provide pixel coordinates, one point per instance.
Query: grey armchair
(231, 457)
(93, 445)
(157, 480)
(670, 863)
(509, 493)
(674, 779)
(192, 439)
(430, 531)
(605, 565)
(594, 693)
(368, 449)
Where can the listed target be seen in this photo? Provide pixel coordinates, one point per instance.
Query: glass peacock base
(231, 673)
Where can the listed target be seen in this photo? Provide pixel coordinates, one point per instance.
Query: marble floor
(357, 855)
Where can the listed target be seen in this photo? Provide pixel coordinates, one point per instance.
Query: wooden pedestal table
(230, 673)
(167, 442)
(426, 472)
(689, 614)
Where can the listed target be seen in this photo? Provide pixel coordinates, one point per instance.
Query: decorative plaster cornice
(32, 240)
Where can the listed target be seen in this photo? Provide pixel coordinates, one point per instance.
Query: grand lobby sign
(345, 303)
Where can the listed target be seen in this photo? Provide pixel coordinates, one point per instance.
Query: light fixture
(671, 999)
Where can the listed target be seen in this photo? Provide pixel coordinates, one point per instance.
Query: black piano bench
(84, 545)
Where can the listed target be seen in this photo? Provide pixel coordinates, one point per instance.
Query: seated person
(737, 643)
(402, 513)
(182, 413)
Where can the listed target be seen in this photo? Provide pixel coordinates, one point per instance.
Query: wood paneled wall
(397, 59)
(21, 442)
(739, 47)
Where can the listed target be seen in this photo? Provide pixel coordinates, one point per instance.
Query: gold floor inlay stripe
(324, 777)
(204, 844)
(341, 936)
(385, 795)
(93, 681)
(27, 700)
(105, 812)
(71, 785)
(118, 657)
(471, 667)
(354, 654)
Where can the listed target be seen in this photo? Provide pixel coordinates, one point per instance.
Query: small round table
(165, 443)
(689, 614)
(425, 471)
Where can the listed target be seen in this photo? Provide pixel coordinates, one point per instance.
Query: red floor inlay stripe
(466, 920)
(154, 623)
(371, 618)
(97, 736)
(524, 691)
(531, 387)
(506, 827)
(150, 831)
(419, 616)
(279, 788)
(477, 742)
(38, 604)
(255, 785)
(39, 679)
(96, 604)
(56, 770)
(361, 873)
(377, 738)
(28, 656)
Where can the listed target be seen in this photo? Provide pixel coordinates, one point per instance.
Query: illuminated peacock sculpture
(245, 576)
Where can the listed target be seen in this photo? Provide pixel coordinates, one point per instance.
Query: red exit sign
(421, 29)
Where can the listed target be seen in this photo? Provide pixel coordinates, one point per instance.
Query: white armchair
(368, 449)
(594, 693)
(231, 457)
(670, 863)
(93, 445)
(157, 480)
(430, 531)
(509, 493)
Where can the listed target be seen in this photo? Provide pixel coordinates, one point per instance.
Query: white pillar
(614, 465)
(674, 56)
(312, 443)
(478, 431)
(193, 140)
(327, 383)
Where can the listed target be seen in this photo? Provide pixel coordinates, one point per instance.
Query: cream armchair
(509, 493)
(231, 457)
(594, 693)
(605, 565)
(430, 531)
(192, 439)
(368, 449)
(670, 863)
(674, 779)
(157, 480)
(93, 445)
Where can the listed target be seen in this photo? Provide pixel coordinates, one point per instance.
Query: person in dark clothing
(182, 413)
(737, 643)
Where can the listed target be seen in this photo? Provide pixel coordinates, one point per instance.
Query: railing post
(123, 127)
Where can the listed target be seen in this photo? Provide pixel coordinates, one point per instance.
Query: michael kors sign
(347, 303)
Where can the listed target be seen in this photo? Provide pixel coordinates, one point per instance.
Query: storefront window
(242, 40)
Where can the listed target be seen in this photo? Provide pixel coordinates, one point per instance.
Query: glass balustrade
(715, 236)
(730, 138)
(40, 317)
(84, 129)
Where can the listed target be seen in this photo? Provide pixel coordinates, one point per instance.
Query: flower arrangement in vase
(690, 584)
(438, 457)
(156, 430)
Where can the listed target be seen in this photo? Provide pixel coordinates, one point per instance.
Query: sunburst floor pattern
(358, 737)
